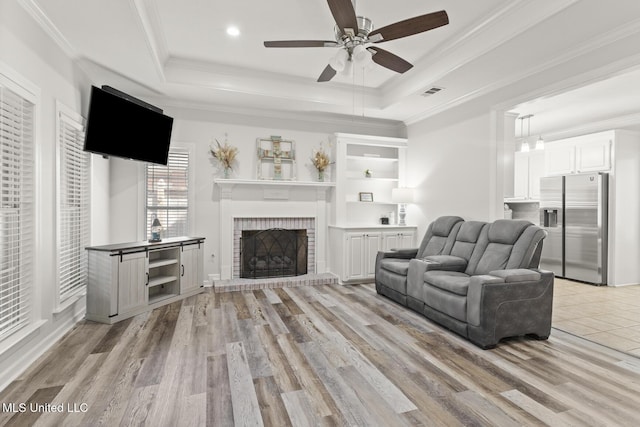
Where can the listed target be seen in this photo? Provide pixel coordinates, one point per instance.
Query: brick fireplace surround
(279, 204)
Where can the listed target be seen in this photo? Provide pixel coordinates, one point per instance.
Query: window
(73, 205)
(168, 194)
(16, 207)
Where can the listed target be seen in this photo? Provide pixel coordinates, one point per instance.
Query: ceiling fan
(355, 34)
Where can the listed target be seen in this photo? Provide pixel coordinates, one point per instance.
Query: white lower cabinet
(190, 267)
(404, 239)
(131, 278)
(354, 249)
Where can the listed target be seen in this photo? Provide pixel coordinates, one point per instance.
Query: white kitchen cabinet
(581, 154)
(353, 257)
(528, 168)
(560, 158)
(131, 278)
(593, 156)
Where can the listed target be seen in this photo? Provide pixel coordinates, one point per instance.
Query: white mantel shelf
(271, 183)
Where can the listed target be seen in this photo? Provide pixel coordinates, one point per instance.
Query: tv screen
(122, 126)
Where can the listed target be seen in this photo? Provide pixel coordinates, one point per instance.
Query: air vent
(432, 91)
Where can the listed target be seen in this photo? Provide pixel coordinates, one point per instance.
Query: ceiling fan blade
(300, 43)
(389, 60)
(327, 74)
(344, 14)
(408, 27)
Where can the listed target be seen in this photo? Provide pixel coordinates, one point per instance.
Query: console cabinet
(131, 278)
(354, 257)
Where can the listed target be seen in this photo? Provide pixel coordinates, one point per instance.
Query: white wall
(29, 53)
(624, 210)
(200, 129)
(450, 164)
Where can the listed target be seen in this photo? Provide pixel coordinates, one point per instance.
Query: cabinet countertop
(374, 226)
(144, 245)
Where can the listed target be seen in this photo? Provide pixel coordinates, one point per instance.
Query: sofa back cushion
(467, 238)
(440, 236)
(505, 244)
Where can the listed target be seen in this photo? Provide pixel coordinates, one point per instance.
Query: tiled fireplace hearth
(262, 205)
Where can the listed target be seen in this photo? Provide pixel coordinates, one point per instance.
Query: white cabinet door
(190, 268)
(560, 158)
(536, 171)
(354, 266)
(133, 278)
(372, 244)
(398, 240)
(593, 156)
(362, 249)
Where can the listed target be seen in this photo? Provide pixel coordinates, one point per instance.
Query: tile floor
(603, 314)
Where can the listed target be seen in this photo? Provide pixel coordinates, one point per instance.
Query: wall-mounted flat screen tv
(122, 126)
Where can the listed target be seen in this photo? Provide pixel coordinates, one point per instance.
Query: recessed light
(233, 31)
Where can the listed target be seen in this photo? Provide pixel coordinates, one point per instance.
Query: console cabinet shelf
(130, 278)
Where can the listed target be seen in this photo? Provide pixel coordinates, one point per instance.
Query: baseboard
(25, 356)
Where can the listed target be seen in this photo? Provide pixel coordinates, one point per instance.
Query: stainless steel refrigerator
(573, 210)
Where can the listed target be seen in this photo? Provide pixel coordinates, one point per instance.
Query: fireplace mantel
(242, 198)
(230, 183)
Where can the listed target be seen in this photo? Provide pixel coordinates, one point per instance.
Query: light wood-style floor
(603, 314)
(316, 355)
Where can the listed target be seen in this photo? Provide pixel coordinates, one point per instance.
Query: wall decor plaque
(276, 159)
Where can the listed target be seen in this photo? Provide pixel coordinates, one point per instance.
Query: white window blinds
(73, 207)
(16, 210)
(168, 194)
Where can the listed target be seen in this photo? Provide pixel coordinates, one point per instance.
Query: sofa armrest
(400, 253)
(508, 302)
(446, 262)
(516, 275)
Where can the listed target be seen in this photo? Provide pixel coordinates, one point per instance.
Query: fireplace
(243, 228)
(274, 252)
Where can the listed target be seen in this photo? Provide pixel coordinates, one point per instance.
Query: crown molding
(192, 109)
(48, 27)
(575, 52)
(149, 19)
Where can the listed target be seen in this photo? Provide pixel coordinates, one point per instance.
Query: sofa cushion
(450, 281)
(452, 305)
(507, 231)
(495, 257)
(393, 281)
(440, 236)
(395, 265)
(467, 238)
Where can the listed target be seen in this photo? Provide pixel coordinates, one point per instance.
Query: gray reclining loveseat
(486, 286)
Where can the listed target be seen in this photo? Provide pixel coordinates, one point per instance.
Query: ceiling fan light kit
(354, 34)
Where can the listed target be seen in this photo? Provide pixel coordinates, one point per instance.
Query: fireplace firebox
(275, 252)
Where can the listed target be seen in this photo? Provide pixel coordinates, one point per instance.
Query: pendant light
(524, 142)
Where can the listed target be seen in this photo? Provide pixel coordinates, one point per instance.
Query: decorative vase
(227, 173)
(320, 176)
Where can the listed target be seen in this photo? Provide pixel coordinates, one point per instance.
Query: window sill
(20, 335)
(70, 301)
